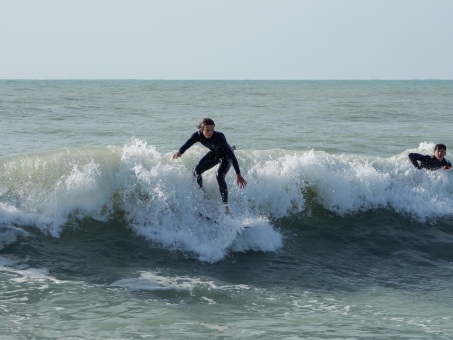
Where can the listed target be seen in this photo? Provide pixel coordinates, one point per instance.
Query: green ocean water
(345, 239)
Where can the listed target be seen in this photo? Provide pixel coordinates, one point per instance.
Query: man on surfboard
(220, 153)
(431, 162)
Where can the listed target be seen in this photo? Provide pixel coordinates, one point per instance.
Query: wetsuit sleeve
(230, 154)
(447, 162)
(234, 161)
(191, 141)
(415, 157)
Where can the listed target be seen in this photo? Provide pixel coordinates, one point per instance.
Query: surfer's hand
(176, 155)
(241, 181)
(446, 167)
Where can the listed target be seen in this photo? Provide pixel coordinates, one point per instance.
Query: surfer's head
(206, 127)
(440, 146)
(439, 151)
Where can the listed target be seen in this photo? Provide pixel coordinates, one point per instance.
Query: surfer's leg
(224, 167)
(206, 163)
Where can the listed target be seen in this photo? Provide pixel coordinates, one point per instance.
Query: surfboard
(207, 218)
(213, 212)
(235, 224)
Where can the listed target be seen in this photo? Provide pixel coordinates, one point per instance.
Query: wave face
(156, 197)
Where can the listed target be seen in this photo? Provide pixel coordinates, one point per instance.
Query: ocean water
(336, 236)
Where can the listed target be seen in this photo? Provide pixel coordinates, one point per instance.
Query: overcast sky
(226, 39)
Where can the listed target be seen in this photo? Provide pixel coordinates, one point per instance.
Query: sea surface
(336, 236)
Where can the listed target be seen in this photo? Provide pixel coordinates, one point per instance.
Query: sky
(226, 39)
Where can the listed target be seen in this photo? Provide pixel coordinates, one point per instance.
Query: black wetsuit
(220, 152)
(427, 162)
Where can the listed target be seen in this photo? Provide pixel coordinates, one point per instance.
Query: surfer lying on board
(220, 153)
(431, 162)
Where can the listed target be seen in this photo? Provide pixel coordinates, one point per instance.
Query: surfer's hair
(204, 122)
(440, 146)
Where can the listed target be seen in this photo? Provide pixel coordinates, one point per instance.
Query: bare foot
(227, 210)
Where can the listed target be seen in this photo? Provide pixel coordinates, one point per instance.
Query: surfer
(220, 153)
(435, 162)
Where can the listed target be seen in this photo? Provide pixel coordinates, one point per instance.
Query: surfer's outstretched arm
(414, 158)
(241, 181)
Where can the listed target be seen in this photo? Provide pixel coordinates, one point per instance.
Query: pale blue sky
(226, 39)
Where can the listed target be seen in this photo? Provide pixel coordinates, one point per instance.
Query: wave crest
(150, 192)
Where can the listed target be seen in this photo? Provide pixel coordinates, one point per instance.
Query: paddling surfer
(435, 162)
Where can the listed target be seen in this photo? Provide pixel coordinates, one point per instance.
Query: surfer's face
(208, 130)
(440, 154)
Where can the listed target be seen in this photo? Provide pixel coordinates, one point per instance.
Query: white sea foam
(159, 200)
(157, 281)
